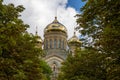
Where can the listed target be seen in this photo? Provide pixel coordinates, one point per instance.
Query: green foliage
(19, 58)
(75, 67)
(88, 64)
(46, 69)
(100, 22)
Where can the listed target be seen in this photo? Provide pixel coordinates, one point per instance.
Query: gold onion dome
(74, 39)
(38, 38)
(55, 26)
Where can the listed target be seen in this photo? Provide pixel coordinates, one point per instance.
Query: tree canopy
(100, 22)
(19, 58)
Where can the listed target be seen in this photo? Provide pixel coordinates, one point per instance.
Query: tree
(19, 58)
(46, 69)
(88, 64)
(100, 21)
(85, 65)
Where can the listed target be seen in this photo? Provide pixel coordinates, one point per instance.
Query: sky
(76, 4)
(40, 13)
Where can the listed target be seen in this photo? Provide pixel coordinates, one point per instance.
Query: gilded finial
(55, 21)
(55, 17)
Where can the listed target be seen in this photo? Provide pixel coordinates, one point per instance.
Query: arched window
(55, 43)
(54, 67)
(55, 70)
(59, 43)
(50, 43)
(46, 44)
(63, 44)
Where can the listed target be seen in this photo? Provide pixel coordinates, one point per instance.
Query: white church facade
(57, 45)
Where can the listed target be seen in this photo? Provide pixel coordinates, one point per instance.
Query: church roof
(55, 25)
(38, 38)
(74, 39)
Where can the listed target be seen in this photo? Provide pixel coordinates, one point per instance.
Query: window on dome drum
(50, 43)
(55, 43)
(63, 44)
(46, 44)
(59, 43)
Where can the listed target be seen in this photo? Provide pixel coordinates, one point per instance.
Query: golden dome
(38, 38)
(55, 25)
(74, 39)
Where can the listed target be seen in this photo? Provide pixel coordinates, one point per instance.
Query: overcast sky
(40, 13)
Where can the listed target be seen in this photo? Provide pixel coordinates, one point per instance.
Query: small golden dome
(55, 25)
(38, 38)
(74, 39)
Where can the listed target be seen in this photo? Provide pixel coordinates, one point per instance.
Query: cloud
(42, 12)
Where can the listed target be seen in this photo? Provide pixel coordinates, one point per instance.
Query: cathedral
(57, 45)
